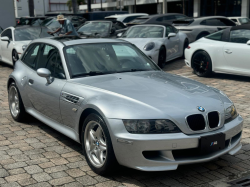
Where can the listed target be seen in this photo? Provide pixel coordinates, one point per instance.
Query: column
(130, 9)
(197, 7)
(245, 8)
(165, 7)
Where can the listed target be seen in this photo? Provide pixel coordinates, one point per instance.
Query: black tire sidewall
(14, 51)
(162, 50)
(208, 73)
(186, 43)
(110, 163)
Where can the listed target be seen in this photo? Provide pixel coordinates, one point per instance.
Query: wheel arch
(198, 50)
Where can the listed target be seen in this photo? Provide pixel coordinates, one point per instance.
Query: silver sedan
(110, 97)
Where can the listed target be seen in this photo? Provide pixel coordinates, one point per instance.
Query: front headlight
(149, 46)
(230, 114)
(150, 126)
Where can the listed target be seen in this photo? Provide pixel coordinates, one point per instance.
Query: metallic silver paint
(132, 95)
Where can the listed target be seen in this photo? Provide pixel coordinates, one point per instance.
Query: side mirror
(248, 42)
(171, 35)
(5, 38)
(43, 72)
(119, 35)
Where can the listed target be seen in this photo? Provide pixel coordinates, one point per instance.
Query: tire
(186, 43)
(201, 35)
(162, 57)
(202, 64)
(16, 106)
(15, 57)
(96, 141)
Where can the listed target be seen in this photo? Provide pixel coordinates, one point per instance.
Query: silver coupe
(114, 100)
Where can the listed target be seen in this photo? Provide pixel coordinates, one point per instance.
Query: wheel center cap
(97, 143)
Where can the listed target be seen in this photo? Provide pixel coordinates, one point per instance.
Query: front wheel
(97, 145)
(162, 57)
(202, 64)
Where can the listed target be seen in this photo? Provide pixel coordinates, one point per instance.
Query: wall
(7, 14)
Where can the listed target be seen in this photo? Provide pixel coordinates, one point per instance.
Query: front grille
(213, 119)
(196, 122)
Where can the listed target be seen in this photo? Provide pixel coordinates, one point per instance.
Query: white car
(125, 18)
(226, 51)
(240, 20)
(14, 40)
(161, 42)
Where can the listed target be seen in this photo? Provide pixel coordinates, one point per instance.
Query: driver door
(6, 47)
(172, 43)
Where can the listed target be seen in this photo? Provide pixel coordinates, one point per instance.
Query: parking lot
(34, 154)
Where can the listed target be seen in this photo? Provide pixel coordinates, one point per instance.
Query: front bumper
(151, 152)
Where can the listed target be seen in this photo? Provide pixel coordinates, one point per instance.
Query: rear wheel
(97, 145)
(15, 57)
(202, 64)
(16, 106)
(162, 57)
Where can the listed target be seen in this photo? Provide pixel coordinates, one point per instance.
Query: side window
(215, 36)
(51, 60)
(30, 56)
(159, 19)
(179, 17)
(169, 29)
(211, 22)
(7, 33)
(227, 22)
(240, 36)
(168, 18)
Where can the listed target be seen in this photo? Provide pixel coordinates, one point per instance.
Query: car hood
(141, 42)
(159, 91)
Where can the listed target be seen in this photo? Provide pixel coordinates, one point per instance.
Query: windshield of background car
(215, 36)
(31, 33)
(139, 20)
(144, 32)
(51, 23)
(95, 27)
(106, 58)
(244, 20)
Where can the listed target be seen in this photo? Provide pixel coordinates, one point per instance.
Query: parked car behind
(101, 29)
(14, 40)
(35, 21)
(196, 28)
(160, 18)
(125, 18)
(161, 42)
(240, 20)
(224, 51)
(100, 15)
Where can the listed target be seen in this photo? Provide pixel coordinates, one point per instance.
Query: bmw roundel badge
(201, 109)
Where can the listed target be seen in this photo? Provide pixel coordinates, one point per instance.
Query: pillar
(245, 8)
(197, 8)
(165, 7)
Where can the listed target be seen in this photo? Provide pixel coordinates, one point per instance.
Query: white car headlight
(230, 113)
(150, 126)
(149, 46)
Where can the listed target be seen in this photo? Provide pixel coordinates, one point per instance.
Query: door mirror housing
(5, 38)
(171, 35)
(43, 72)
(248, 42)
(119, 35)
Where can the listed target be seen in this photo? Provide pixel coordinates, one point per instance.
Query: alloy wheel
(14, 101)
(15, 57)
(201, 64)
(95, 144)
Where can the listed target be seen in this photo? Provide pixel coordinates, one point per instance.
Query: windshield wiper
(93, 73)
(134, 70)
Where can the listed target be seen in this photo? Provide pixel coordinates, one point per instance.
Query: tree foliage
(79, 2)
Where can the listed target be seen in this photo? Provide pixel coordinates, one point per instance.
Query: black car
(34, 21)
(101, 29)
(160, 18)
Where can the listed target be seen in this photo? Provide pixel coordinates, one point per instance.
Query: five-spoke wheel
(201, 63)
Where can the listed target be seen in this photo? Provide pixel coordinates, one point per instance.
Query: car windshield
(30, 21)
(95, 27)
(144, 32)
(244, 20)
(139, 20)
(31, 33)
(51, 23)
(106, 58)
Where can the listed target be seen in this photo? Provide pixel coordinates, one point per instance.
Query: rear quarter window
(215, 36)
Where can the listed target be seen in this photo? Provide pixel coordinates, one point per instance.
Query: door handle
(31, 81)
(228, 51)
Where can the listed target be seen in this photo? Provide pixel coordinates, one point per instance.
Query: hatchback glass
(106, 58)
(144, 32)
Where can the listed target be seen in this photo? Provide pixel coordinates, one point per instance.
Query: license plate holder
(212, 143)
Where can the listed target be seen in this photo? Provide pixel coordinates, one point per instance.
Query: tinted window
(30, 56)
(215, 36)
(51, 60)
(244, 20)
(139, 20)
(169, 29)
(130, 18)
(118, 25)
(179, 17)
(7, 33)
(227, 22)
(240, 36)
(159, 19)
(218, 22)
(168, 18)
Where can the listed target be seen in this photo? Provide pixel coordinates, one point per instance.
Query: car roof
(240, 27)
(157, 23)
(126, 15)
(208, 17)
(159, 15)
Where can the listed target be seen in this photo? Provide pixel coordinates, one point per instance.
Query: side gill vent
(72, 99)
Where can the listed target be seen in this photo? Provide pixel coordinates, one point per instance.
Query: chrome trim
(219, 124)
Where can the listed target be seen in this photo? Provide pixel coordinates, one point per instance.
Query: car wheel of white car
(15, 57)
(162, 57)
(186, 43)
(202, 64)
(16, 106)
(97, 145)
